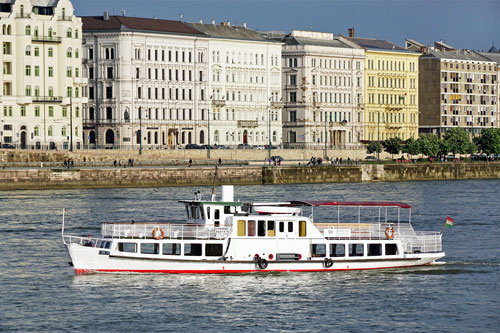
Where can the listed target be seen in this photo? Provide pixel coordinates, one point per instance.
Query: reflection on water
(39, 290)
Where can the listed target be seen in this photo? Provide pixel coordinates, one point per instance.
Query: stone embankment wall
(125, 177)
(46, 178)
(380, 172)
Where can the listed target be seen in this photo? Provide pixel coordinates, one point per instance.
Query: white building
(245, 75)
(166, 77)
(323, 83)
(41, 97)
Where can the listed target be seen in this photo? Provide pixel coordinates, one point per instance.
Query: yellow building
(391, 90)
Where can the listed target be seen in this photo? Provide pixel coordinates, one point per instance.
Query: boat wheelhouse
(229, 236)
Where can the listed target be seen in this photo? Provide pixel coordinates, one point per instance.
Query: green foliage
(457, 140)
(489, 141)
(429, 144)
(411, 147)
(374, 147)
(444, 148)
(471, 148)
(393, 145)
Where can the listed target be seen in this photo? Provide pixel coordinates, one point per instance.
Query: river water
(40, 292)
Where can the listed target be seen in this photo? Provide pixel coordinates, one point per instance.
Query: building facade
(323, 80)
(177, 83)
(244, 79)
(42, 80)
(391, 90)
(457, 89)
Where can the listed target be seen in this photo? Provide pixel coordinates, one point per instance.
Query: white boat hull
(88, 260)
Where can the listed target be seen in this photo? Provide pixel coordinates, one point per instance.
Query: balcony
(23, 15)
(65, 18)
(46, 39)
(247, 123)
(47, 99)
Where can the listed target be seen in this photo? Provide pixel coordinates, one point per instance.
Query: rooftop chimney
(226, 24)
(351, 32)
(105, 16)
(201, 21)
(244, 24)
(124, 12)
(213, 22)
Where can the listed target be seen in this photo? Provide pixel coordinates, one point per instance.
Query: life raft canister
(262, 263)
(389, 233)
(158, 233)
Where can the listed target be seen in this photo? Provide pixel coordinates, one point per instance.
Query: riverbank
(59, 178)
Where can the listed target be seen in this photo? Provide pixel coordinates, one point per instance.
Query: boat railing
(413, 241)
(83, 241)
(423, 242)
(165, 230)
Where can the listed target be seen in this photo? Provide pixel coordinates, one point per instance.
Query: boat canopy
(350, 203)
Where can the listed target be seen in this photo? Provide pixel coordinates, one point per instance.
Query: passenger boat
(227, 236)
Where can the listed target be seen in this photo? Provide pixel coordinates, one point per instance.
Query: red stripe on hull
(228, 271)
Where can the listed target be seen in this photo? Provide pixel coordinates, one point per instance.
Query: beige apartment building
(457, 89)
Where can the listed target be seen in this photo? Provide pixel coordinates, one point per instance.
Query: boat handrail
(83, 241)
(170, 230)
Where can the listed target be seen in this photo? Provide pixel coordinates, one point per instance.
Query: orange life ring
(156, 235)
(389, 233)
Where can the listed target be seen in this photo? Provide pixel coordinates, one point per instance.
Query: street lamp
(325, 155)
(216, 103)
(140, 131)
(275, 106)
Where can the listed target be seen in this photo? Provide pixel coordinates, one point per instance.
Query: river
(40, 292)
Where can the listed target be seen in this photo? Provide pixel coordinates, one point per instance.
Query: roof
(92, 23)
(44, 3)
(493, 49)
(412, 41)
(350, 203)
(377, 44)
(294, 40)
(228, 31)
(491, 56)
(455, 55)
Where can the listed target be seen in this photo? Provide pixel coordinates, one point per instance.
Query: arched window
(8, 29)
(76, 33)
(27, 50)
(28, 30)
(77, 92)
(63, 131)
(50, 132)
(274, 136)
(37, 51)
(36, 31)
(76, 131)
(77, 54)
(69, 33)
(69, 92)
(22, 10)
(36, 131)
(51, 52)
(50, 32)
(216, 136)
(112, 53)
(69, 52)
(107, 53)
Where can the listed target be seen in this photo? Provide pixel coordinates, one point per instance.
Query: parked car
(193, 146)
(8, 146)
(370, 158)
(244, 146)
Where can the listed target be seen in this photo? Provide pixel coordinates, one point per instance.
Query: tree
(374, 147)
(457, 140)
(444, 148)
(393, 145)
(489, 141)
(411, 147)
(429, 144)
(470, 148)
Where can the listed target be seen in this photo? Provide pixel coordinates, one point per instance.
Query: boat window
(271, 230)
(391, 249)
(318, 250)
(127, 247)
(208, 212)
(290, 226)
(241, 228)
(374, 249)
(302, 228)
(261, 228)
(251, 228)
(103, 244)
(356, 250)
(202, 212)
(172, 248)
(188, 212)
(150, 248)
(227, 209)
(213, 250)
(337, 250)
(194, 212)
(282, 226)
(217, 217)
(192, 249)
